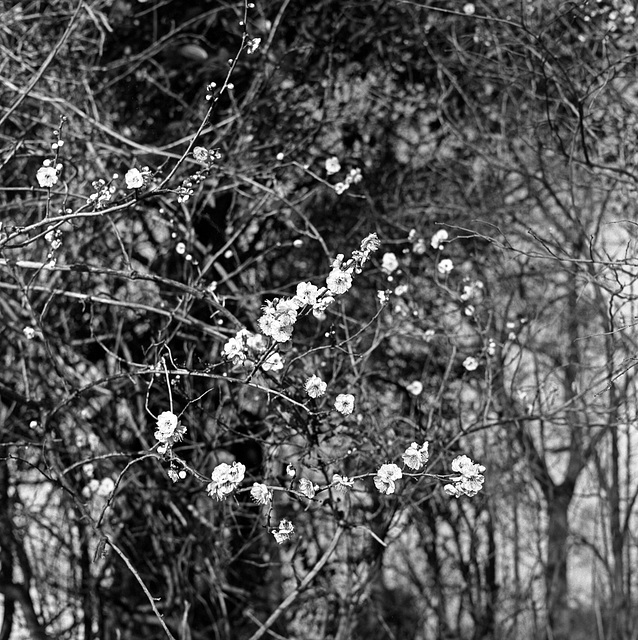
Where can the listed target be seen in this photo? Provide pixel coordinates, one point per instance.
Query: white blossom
(438, 239)
(260, 493)
(389, 263)
(332, 165)
(470, 482)
(284, 532)
(307, 488)
(306, 294)
(386, 476)
(169, 431)
(445, 266)
(416, 457)
(339, 281)
(274, 362)
(134, 179)
(46, 176)
(315, 387)
(415, 388)
(344, 403)
(470, 363)
(342, 483)
(225, 479)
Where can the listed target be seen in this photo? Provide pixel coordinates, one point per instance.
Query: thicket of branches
(167, 171)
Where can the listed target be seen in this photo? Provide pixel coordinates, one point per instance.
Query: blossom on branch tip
(225, 479)
(385, 478)
(315, 387)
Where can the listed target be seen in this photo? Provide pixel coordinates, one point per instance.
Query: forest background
(167, 168)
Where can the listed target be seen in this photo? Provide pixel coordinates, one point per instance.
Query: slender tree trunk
(617, 624)
(556, 584)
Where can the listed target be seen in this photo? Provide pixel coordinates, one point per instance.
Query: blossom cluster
(469, 482)
(246, 347)
(280, 315)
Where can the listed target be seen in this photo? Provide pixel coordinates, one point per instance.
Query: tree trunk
(556, 584)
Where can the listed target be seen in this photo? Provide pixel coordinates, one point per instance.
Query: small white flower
(284, 532)
(415, 388)
(29, 333)
(389, 263)
(291, 472)
(339, 281)
(470, 363)
(306, 293)
(340, 187)
(344, 403)
(401, 290)
(385, 478)
(225, 479)
(416, 457)
(315, 387)
(201, 154)
(332, 165)
(319, 308)
(234, 350)
(134, 179)
(307, 488)
(342, 483)
(370, 243)
(252, 46)
(491, 347)
(168, 431)
(419, 247)
(46, 176)
(274, 362)
(255, 341)
(445, 266)
(260, 493)
(469, 9)
(438, 239)
(452, 490)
